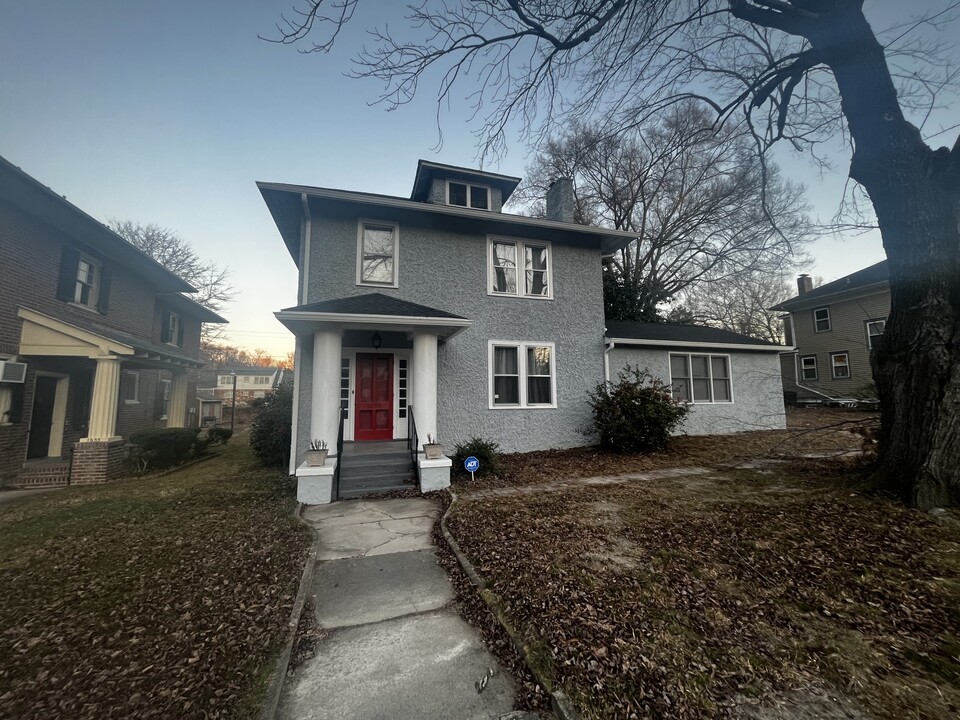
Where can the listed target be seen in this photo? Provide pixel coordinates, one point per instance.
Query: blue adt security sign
(471, 464)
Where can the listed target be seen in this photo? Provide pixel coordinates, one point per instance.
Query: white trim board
(707, 345)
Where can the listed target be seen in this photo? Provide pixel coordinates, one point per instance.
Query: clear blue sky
(169, 112)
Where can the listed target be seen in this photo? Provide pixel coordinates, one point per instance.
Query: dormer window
(466, 195)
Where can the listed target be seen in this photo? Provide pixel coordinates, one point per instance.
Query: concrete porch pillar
(177, 411)
(425, 386)
(106, 395)
(325, 391)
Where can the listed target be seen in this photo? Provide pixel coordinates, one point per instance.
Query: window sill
(490, 293)
(522, 407)
(389, 286)
(88, 308)
(131, 402)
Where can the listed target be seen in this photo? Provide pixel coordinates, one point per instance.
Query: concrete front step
(398, 467)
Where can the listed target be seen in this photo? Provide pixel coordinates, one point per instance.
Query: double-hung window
(875, 329)
(130, 387)
(821, 319)
(377, 249)
(840, 365)
(522, 375)
(520, 268)
(466, 195)
(88, 282)
(700, 378)
(164, 398)
(808, 367)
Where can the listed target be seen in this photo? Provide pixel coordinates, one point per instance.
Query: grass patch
(164, 597)
(700, 597)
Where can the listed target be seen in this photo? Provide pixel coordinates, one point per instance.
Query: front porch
(368, 361)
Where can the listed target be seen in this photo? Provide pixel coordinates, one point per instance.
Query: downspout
(606, 360)
(297, 365)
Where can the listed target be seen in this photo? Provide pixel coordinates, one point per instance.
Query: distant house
(833, 328)
(97, 340)
(440, 315)
(252, 382)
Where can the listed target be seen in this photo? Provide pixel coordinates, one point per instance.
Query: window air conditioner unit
(12, 372)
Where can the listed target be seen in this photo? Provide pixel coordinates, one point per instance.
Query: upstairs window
(700, 378)
(508, 277)
(466, 195)
(875, 329)
(171, 332)
(821, 319)
(83, 280)
(88, 276)
(226, 380)
(377, 253)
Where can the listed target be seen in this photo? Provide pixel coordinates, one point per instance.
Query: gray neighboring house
(732, 381)
(832, 329)
(442, 313)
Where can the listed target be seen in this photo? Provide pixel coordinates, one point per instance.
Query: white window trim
(96, 287)
(520, 244)
(136, 387)
(396, 252)
(816, 368)
(866, 329)
(470, 186)
(709, 356)
(522, 367)
(833, 367)
(170, 332)
(829, 320)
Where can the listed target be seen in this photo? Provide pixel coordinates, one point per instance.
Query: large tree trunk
(916, 195)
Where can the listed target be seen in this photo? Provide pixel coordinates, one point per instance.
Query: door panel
(374, 398)
(41, 420)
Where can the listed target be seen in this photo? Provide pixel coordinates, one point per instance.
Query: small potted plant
(432, 449)
(317, 454)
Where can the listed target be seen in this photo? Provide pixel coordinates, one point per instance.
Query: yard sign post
(472, 465)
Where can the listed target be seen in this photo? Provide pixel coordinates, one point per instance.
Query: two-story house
(96, 340)
(442, 315)
(252, 382)
(833, 328)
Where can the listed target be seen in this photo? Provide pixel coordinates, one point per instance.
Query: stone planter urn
(316, 458)
(433, 451)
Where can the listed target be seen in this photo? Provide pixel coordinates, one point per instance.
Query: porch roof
(45, 335)
(370, 311)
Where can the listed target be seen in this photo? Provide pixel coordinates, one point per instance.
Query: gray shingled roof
(861, 278)
(667, 332)
(373, 304)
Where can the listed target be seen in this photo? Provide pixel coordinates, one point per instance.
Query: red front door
(374, 398)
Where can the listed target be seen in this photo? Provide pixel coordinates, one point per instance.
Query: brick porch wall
(97, 462)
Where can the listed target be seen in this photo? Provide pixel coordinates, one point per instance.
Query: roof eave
(698, 344)
(803, 302)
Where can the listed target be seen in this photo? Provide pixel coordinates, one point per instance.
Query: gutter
(696, 344)
(606, 360)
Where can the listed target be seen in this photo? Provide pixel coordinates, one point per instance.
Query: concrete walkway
(395, 650)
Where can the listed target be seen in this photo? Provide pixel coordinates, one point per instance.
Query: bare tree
(795, 70)
(740, 303)
(175, 254)
(693, 194)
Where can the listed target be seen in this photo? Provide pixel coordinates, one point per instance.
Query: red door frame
(373, 417)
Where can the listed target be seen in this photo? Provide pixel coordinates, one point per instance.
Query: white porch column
(177, 411)
(106, 395)
(425, 386)
(325, 395)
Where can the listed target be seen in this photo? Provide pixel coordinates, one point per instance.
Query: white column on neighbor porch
(325, 395)
(177, 411)
(106, 395)
(425, 386)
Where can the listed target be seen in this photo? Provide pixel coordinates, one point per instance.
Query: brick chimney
(804, 284)
(560, 200)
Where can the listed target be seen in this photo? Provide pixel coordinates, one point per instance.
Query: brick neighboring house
(96, 339)
(252, 382)
(832, 329)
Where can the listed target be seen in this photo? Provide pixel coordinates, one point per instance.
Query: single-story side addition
(731, 381)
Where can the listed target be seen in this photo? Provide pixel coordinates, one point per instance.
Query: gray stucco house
(442, 314)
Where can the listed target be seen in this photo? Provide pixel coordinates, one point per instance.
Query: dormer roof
(427, 171)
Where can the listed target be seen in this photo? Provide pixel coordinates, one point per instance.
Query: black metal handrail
(413, 442)
(336, 470)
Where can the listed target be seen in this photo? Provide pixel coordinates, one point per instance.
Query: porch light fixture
(376, 340)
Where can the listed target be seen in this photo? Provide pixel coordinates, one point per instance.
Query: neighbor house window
(840, 365)
(875, 329)
(700, 378)
(821, 319)
(466, 195)
(88, 282)
(226, 380)
(130, 386)
(808, 367)
(519, 268)
(522, 375)
(377, 253)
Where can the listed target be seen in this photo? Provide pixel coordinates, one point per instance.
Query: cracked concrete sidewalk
(395, 648)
